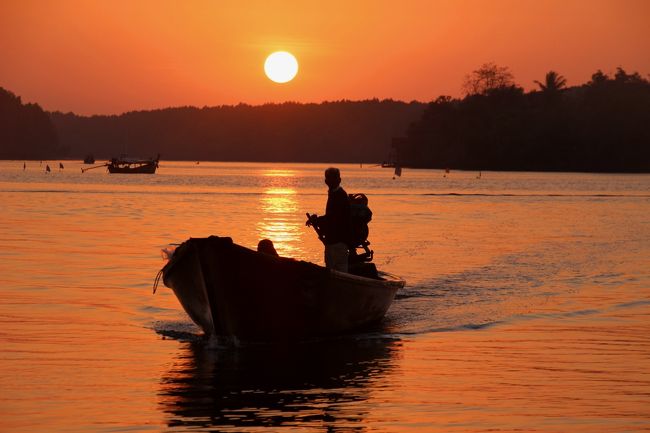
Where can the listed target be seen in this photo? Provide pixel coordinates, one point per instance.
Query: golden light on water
(279, 222)
(80, 260)
(279, 172)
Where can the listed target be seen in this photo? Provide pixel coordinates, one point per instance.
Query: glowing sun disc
(281, 67)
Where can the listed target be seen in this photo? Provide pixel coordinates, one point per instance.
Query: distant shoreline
(365, 165)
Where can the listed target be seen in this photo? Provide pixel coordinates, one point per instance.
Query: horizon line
(239, 104)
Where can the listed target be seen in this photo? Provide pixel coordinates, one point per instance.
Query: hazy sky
(103, 57)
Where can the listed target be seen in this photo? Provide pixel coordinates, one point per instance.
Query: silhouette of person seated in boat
(265, 246)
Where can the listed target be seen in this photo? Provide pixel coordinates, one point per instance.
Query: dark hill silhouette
(26, 131)
(343, 131)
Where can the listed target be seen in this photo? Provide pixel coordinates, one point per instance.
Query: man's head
(266, 246)
(332, 177)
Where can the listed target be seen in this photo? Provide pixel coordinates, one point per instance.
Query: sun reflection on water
(279, 172)
(279, 222)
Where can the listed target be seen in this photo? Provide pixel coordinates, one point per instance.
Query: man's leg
(336, 257)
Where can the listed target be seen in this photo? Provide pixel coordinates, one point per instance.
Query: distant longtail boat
(124, 164)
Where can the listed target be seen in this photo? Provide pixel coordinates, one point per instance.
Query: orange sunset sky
(107, 57)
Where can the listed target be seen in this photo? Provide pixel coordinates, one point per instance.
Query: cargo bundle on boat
(232, 291)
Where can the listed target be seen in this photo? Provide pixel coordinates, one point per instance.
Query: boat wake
(419, 310)
(178, 330)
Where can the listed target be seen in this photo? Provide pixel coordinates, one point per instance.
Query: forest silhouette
(342, 131)
(26, 131)
(602, 126)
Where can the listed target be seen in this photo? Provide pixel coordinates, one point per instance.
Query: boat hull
(232, 291)
(148, 168)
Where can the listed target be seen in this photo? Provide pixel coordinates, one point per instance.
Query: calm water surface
(527, 305)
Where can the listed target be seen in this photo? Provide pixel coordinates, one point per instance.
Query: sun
(281, 67)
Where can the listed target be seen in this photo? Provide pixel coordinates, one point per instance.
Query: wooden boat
(124, 164)
(232, 291)
(89, 159)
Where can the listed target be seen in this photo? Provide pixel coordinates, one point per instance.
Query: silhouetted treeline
(603, 125)
(26, 131)
(342, 131)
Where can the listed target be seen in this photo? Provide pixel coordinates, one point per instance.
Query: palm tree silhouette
(553, 82)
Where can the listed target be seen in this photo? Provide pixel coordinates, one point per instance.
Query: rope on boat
(167, 254)
(157, 281)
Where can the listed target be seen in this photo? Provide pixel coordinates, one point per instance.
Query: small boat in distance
(89, 159)
(124, 164)
(236, 293)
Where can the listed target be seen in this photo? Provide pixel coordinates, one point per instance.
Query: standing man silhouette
(335, 224)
